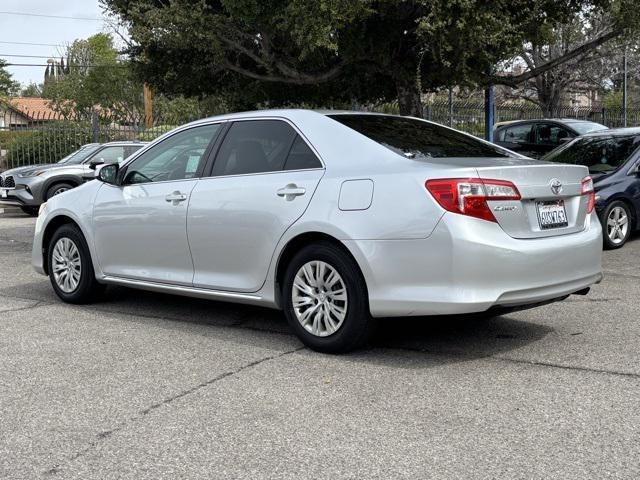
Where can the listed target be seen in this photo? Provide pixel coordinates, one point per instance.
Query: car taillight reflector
(586, 188)
(469, 196)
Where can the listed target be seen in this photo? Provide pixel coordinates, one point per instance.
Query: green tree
(332, 51)
(93, 76)
(8, 86)
(32, 90)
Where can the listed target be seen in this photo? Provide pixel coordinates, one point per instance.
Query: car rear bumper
(468, 265)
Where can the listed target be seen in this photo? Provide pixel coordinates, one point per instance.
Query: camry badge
(556, 186)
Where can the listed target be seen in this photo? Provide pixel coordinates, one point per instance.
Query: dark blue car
(613, 158)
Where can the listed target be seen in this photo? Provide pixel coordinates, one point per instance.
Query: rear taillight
(586, 188)
(469, 196)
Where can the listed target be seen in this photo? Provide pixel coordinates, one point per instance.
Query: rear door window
(301, 156)
(254, 146)
(547, 134)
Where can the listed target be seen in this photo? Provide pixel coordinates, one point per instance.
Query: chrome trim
(182, 290)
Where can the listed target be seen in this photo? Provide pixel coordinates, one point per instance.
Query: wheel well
(72, 182)
(298, 243)
(51, 227)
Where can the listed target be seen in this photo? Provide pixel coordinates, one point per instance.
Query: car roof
(562, 121)
(123, 142)
(614, 132)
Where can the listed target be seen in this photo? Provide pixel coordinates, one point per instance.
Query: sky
(54, 31)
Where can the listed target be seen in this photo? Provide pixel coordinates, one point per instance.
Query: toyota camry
(337, 218)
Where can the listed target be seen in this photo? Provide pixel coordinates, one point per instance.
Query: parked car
(534, 138)
(613, 159)
(27, 187)
(337, 218)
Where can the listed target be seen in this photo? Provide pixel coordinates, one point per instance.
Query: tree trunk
(409, 99)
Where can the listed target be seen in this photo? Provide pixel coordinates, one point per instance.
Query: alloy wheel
(66, 265)
(58, 191)
(617, 225)
(319, 298)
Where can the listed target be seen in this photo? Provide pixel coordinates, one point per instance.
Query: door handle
(176, 197)
(291, 191)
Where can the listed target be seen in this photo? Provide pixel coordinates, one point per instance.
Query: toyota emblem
(556, 186)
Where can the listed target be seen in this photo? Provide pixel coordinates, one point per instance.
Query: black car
(534, 138)
(613, 159)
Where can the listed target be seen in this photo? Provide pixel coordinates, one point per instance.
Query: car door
(261, 182)
(519, 138)
(140, 224)
(549, 136)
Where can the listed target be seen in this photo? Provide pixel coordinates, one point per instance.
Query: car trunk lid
(551, 201)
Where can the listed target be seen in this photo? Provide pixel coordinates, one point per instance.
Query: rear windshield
(601, 154)
(413, 138)
(586, 127)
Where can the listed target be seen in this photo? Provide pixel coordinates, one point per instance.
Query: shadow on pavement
(441, 339)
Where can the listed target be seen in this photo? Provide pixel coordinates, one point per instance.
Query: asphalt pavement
(150, 386)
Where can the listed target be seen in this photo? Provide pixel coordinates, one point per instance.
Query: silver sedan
(335, 217)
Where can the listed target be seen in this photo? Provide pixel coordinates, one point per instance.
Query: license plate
(552, 214)
(3, 193)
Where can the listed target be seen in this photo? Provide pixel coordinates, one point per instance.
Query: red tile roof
(34, 108)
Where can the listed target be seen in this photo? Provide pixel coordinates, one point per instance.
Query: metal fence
(469, 116)
(35, 137)
(28, 138)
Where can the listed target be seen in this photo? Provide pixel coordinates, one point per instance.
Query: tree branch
(296, 78)
(515, 80)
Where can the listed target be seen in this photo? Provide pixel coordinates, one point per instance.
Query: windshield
(586, 127)
(79, 155)
(411, 137)
(603, 154)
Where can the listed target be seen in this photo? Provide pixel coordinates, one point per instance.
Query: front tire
(57, 189)
(69, 265)
(325, 299)
(616, 225)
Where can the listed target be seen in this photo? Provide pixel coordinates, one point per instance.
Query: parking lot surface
(149, 386)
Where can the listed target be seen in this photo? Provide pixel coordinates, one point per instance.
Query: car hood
(32, 168)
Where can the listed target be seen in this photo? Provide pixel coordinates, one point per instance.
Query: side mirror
(564, 140)
(109, 174)
(95, 162)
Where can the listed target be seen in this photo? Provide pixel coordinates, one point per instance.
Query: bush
(154, 132)
(47, 145)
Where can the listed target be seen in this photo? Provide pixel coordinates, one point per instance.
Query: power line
(34, 44)
(28, 56)
(69, 66)
(25, 14)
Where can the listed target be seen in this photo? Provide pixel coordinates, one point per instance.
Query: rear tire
(57, 189)
(616, 225)
(33, 211)
(325, 299)
(69, 265)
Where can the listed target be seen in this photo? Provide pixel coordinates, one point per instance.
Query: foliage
(8, 86)
(327, 52)
(32, 90)
(94, 76)
(46, 145)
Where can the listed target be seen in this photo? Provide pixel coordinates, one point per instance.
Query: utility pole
(624, 86)
(488, 113)
(450, 106)
(148, 106)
